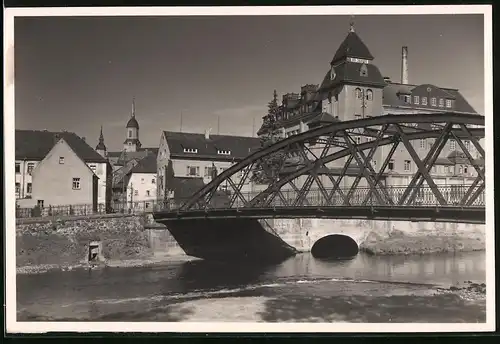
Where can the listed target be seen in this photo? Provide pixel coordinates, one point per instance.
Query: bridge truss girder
(388, 130)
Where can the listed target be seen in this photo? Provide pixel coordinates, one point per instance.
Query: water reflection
(101, 291)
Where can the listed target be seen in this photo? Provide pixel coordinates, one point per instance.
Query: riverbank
(400, 243)
(128, 263)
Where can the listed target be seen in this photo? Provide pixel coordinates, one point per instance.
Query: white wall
(141, 187)
(100, 171)
(24, 179)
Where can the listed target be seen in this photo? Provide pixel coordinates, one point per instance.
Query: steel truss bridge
(291, 159)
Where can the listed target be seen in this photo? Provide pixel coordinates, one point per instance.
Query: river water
(301, 289)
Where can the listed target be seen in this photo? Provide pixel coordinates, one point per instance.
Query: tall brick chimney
(404, 65)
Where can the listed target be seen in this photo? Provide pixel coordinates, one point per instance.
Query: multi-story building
(354, 88)
(190, 160)
(141, 183)
(32, 146)
(64, 178)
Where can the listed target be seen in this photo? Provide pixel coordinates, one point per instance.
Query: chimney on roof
(404, 65)
(207, 134)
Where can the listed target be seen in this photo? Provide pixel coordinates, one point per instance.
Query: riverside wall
(43, 244)
(385, 237)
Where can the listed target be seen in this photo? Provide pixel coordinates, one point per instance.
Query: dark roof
(145, 165)
(35, 144)
(323, 118)
(121, 157)
(391, 98)
(352, 46)
(239, 146)
(313, 119)
(100, 146)
(185, 187)
(132, 123)
(350, 72)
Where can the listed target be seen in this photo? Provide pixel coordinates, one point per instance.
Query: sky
(78, 73)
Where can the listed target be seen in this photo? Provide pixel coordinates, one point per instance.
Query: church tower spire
(132, 143)
(101, 147)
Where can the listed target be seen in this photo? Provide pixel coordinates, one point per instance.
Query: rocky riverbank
(128, 263)
(400, 243)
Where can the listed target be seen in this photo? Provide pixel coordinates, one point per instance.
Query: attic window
(190, 150)
(224, 152)
(61, 160)
(363, 70)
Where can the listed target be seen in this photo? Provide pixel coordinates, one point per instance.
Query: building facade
(192, 158)
(63, 178)
(141, 183)
(32, 146)
(354, 88)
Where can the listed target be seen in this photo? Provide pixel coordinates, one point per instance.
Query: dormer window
(416, 100)
(448, 103)
(224, 152)
(358, 94)
(363, 70)
(424, 100)
(369, 95)
(407, 99)
(441, 102)
(433, 101)
(190, 150)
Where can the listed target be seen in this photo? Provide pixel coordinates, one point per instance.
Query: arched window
(358, 94)
(369, 95)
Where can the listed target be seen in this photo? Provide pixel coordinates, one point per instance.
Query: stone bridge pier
(412, 237)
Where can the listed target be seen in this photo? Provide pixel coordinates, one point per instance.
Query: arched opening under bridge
(335, 246)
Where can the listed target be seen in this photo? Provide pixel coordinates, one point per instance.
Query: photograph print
(251, 171)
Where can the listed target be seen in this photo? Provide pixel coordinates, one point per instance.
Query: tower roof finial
(351, 24)
(133, 106)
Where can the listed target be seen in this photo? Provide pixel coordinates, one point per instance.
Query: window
(142, 180)
(190, 150)
(193, 171)
(29, 188)
(448, 103)
(130, 143)
(433, 101)
(460, 169)
(416, 100)
(130, 133)
(453, 145)
(18, 188)
(424, 100)
(93, 167)
(136, 192)
(363, 71)
(31, 166)
(18, 168)
(358, 140)
(465, 169)
(369, 95)
(209, 170)
(224, 152)
(441, 102)
(391, 165)
(146, 205)
(450, 169)
(467, 144)
(407, 165)
(434, 169)
(61, 160)
(76, 183)
(153, 181)
(358, 94)
(147, 193)
(422, 143)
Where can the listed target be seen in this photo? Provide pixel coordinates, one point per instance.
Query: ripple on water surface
(203, 291)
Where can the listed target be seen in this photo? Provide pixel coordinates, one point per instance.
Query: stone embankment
(43, 245)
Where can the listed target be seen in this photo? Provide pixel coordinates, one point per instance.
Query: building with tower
(353, 87)
(101, 147)
(132, 142)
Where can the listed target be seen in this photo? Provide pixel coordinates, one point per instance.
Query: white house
(141, 183)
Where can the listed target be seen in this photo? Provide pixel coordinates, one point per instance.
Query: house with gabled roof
(195, 157)
(32, 146)
(141, 184)
(63, 178)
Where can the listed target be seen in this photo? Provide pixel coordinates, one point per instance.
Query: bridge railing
(453, 195)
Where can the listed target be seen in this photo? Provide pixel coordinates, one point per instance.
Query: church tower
(101, 147)
(132, 143)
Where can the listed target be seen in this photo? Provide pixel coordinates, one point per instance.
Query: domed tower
(132, 143)
(101, 147)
